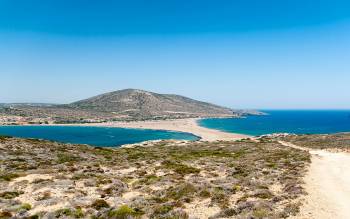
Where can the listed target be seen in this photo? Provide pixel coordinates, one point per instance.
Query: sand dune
(181, 125)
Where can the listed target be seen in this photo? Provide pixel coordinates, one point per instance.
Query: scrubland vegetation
(166, 179)
(340, 141)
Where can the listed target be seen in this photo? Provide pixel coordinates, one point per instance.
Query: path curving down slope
(327, 184)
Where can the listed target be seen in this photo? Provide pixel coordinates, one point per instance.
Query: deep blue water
(289, 121)
(98, 136)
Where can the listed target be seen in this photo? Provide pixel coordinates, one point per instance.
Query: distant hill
(144, 104)
(122, 105)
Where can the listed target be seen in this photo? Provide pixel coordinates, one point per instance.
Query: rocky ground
(166, 179)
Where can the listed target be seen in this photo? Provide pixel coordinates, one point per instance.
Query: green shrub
(63, 212)
(8, 176)
(260, 213)
(25, 206)
(185, 191)
(9, 195)
(180, 168)
(68, 212)
(65, 157)
(204, 194)
(148, 180)
(5, 214)
(100, 203)
(163, 209)
(124, 212)
(78, 213)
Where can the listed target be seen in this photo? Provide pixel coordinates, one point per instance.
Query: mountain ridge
(141, 103)
(121, 105)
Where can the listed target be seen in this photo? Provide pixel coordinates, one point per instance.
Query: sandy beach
(180, 125)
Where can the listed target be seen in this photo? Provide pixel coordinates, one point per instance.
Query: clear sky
(238, 53)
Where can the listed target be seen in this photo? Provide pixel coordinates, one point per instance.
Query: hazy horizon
(239, 54)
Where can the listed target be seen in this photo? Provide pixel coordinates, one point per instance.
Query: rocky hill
(143, 104)
(128, 104)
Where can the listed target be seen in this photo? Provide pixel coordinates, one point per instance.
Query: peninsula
(128, 108)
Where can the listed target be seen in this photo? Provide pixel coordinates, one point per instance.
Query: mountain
(122, 105)
(140, 104)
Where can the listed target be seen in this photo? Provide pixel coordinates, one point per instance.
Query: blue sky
(242, 54)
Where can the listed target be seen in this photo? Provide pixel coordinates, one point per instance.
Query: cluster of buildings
(20, 120)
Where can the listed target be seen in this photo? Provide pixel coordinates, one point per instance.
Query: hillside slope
(122, 105)
(167, 179)
(143, 104)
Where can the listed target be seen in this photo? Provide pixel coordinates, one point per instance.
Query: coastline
(189, 125)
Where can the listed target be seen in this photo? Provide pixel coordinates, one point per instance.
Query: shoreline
(188, 125)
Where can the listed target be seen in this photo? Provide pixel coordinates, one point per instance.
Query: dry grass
(340, 141)
(232, 179)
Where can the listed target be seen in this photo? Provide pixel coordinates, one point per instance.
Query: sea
(96, 136)
(276, 121)
(285, 121)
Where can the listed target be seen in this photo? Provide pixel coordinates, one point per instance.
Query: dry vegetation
(122, 105)
(243, 179)
(340, 141)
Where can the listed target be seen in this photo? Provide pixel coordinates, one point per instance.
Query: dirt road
(327, 184)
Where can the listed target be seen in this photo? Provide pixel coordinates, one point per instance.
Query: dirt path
(327, 184)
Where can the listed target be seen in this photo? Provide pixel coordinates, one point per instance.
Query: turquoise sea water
(289, 121)
(97, 136)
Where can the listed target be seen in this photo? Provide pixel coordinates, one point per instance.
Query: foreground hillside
(122, 105)
(242, 179)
